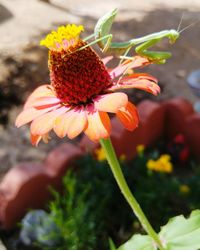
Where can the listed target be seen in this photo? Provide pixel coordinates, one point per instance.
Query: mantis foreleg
(106, 46)
(158, 57)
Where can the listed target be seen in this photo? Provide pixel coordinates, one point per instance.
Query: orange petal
(72, 123)
(30, 114)
(98, 125)
(128, 116)
(111, 102)
(61, 124)
(42, 91)
(44, 123)
(77, 125)
(35, 139)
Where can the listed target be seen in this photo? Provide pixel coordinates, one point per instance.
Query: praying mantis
(104, 40)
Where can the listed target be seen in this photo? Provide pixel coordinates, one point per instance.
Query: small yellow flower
(184, 189)
(100, 154)
(162, 164)
(122, 157)
(140, 149)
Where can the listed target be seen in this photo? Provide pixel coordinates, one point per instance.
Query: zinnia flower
(82, 91)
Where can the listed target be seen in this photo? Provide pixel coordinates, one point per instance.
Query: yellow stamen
(67, 34)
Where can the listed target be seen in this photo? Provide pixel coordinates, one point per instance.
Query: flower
(140, 149)
(162, 164)
(82, 91)
(122, 157)
(184, 189)
(100, 154)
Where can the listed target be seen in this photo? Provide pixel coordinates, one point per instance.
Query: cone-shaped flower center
(76, 74)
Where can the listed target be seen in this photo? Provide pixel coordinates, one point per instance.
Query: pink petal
(30, 114)
(111, 102)
(128, 116)
(43, 102)
(138, 76)
(137, 61)
(107, 59)
(72, 123)
(98, 125)
(44, 123)
(118, 70)
(42, 91)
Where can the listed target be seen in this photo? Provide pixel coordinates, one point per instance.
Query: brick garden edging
(26, 185)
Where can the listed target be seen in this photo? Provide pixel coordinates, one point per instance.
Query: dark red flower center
(77, 75)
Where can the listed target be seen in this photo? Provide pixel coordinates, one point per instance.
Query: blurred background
(23, 63)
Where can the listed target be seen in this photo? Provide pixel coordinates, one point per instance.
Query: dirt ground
(23, 64)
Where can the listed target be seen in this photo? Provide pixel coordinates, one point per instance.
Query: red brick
(87, 145)
(23, 187)
(177, 112)
(61, 158)
(149, 130)
(126, 143)
(192, 133)
(152, 116)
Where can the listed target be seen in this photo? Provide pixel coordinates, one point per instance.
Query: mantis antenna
(179, 25)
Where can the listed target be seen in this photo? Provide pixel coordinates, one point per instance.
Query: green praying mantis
(104, 40)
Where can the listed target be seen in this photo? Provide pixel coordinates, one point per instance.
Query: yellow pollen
(64, 37)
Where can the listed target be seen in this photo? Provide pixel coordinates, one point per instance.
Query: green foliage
(181, 233)
(73, 216)
(91, 209)
(138, 242)
(178, 234)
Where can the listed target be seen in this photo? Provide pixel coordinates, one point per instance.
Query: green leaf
(181, 233)
(112, 245)
(103, 26)
(138, 242)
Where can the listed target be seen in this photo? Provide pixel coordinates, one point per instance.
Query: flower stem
(119, 177)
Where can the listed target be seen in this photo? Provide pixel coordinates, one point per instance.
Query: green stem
(119, 177)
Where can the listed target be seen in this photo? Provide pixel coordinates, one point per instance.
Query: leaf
(104, 25)
(138, 242)
(112, 245)
(181, 233)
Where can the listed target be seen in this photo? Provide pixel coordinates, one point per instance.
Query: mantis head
(174, 35)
